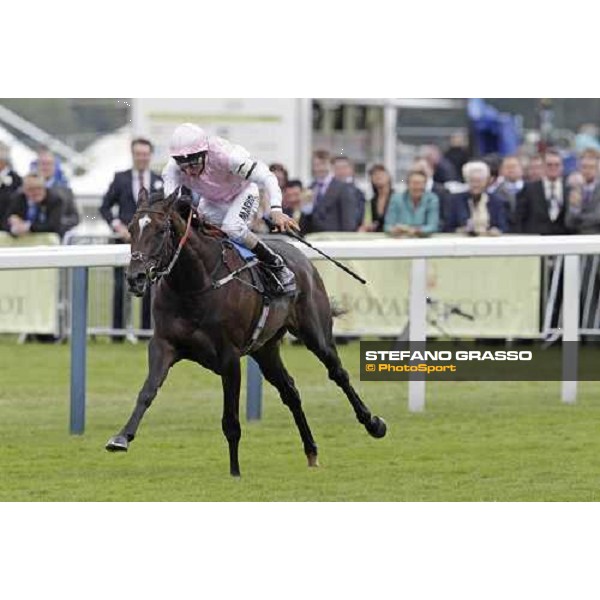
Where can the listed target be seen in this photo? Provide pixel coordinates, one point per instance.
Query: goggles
(190, 160)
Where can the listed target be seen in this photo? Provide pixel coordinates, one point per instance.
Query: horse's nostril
(136, 279)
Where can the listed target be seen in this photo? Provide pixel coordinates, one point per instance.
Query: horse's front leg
(231, 379)
(161, 357)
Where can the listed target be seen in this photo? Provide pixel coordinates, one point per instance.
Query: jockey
(226, 178)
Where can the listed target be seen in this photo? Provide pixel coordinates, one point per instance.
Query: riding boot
(284, 276)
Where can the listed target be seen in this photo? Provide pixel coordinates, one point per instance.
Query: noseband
(151, 271)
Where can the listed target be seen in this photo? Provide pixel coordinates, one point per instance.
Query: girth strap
(266, 308)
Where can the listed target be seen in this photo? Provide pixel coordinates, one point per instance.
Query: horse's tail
(337, 310)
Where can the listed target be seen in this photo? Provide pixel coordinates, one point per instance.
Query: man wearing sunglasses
(226, 178)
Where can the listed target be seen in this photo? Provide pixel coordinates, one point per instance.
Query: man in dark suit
(334, 206)
(508, 185)
(34, 209)
(541, 205)
(55, 180)
(122, 194)
(541, 209)
(343, 170)
(10, 182)
(583, 210)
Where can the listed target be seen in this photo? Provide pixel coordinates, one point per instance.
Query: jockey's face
(192, 165)
(193, 170)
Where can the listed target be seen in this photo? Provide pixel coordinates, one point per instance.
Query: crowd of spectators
(39, 202)
(443, 192)
(450, 192)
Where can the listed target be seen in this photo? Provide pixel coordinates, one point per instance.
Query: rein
(180, 246)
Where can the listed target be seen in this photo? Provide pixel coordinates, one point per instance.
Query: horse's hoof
(117, 443)
(377, 427)
(313, 460)
(236, 476)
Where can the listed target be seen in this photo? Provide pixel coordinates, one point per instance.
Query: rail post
(79, 297)
(570, 336)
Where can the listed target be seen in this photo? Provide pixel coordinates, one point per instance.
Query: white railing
(48, 257)
(419, 250)
(39, 257)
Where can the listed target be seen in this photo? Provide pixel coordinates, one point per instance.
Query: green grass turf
(475, 441)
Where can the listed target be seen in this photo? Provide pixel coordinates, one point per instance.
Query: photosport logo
(477, 361)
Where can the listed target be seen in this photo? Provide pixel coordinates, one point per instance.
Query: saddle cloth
(245, 253)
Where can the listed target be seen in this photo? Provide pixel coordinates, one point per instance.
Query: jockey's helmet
(189, 146)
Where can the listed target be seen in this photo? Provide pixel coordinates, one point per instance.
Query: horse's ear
(182, 204)
(142, 196)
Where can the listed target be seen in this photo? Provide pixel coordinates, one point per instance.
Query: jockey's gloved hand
(282, 222)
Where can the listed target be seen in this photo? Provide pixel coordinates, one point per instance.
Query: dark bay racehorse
(212, 327)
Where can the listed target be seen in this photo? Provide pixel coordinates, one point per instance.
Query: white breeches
(234, 217)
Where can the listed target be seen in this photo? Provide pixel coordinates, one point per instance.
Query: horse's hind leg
(318, 338)
(269, 359)
(161, 357)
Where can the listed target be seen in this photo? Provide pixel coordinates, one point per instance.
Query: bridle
(152, 273)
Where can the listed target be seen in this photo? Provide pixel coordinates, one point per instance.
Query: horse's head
(154, 232)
